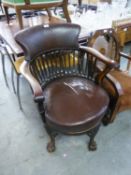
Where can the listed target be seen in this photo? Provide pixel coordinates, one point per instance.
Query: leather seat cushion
(74, 104)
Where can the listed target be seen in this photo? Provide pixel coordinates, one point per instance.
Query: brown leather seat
(72, 104)
(64, 80)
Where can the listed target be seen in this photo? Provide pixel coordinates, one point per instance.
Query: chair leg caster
(51, 147)
(92, 146)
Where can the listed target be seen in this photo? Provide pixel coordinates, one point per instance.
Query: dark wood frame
(53, 63)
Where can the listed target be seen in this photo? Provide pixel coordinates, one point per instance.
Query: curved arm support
(110, 63)
(37, 90)
(128, 58)
(117, 86)
(125, 55)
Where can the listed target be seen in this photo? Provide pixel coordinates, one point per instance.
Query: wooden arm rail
(125, 55)
(37, 90)
(101, 57)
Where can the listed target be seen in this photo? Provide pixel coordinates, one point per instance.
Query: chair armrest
(129, 60)
(109, 62)
(37, 90)
(96, 57)
(117, 86)
(125, 55)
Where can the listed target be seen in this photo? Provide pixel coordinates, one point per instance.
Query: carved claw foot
(51, 147)
(92, 146)
(92, 133)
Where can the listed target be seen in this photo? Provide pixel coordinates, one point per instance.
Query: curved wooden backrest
(44, 38)
(53, 52)
(106, 42)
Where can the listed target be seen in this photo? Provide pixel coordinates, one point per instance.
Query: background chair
(64, 80)
(7, 53)
(118, 81)
(2, 53)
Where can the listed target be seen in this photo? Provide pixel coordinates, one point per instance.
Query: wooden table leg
(65, 10)
(6, 14)
(19, 18)
(49, 13)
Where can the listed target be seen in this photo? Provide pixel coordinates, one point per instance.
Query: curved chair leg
(13, 57)
(12, 80)
(18, 92)
(4, 72)
(92, 133)
(51, 144)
